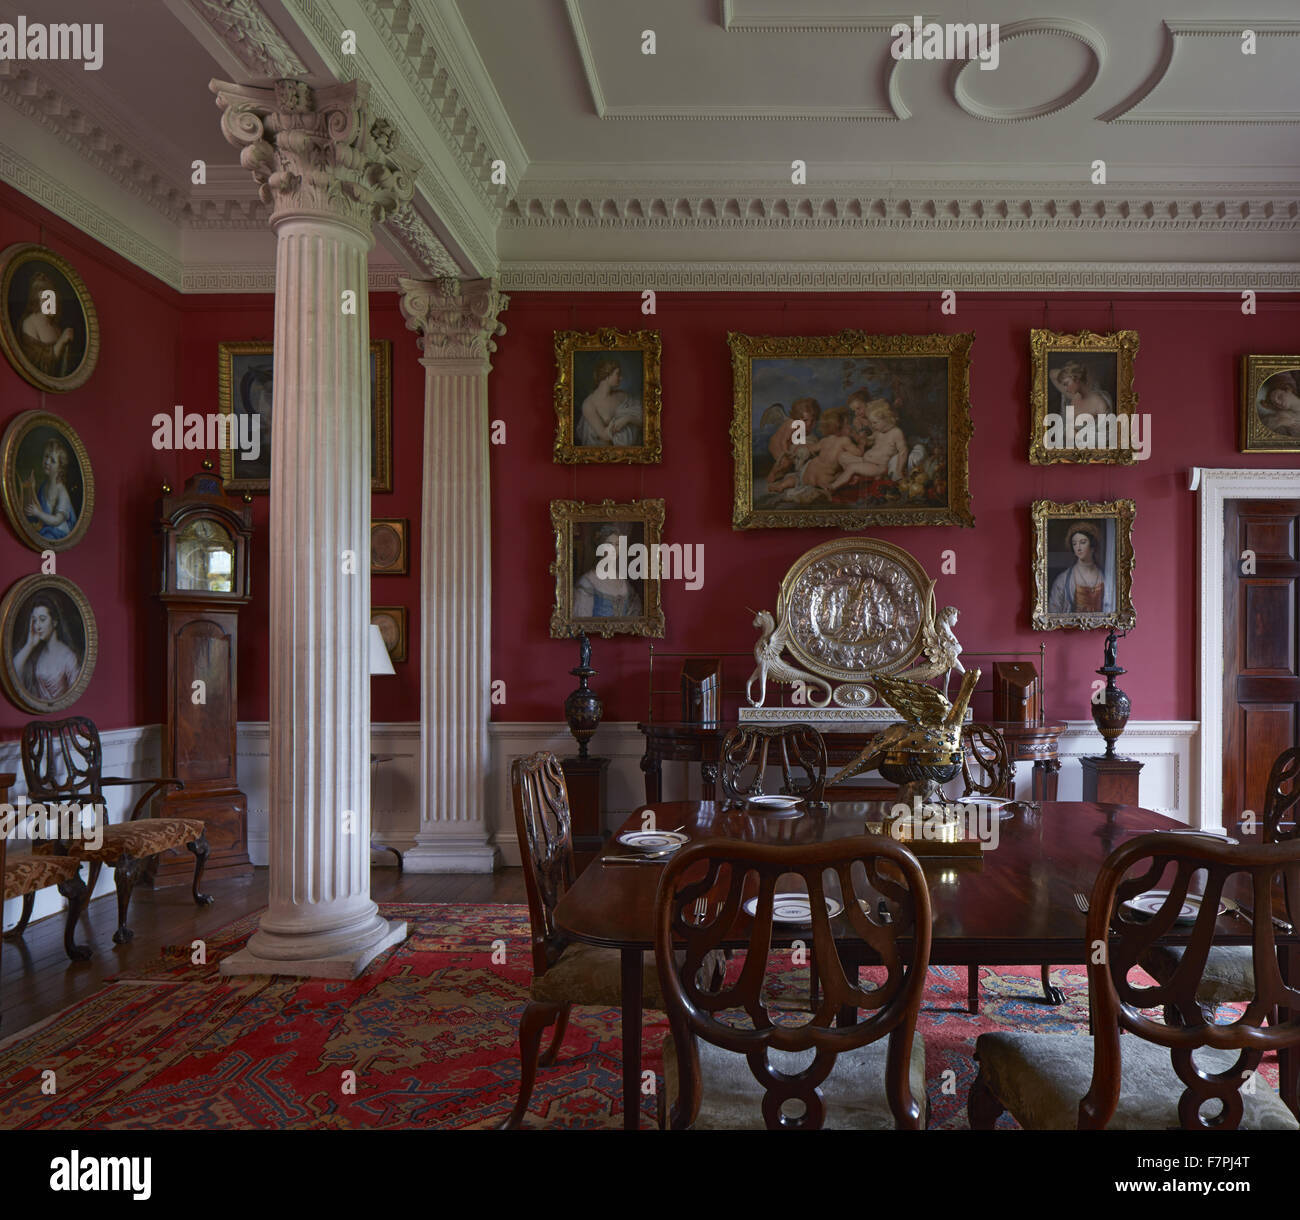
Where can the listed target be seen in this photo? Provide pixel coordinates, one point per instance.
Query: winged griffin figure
(939, 643)
(931, 728)
(767, 652)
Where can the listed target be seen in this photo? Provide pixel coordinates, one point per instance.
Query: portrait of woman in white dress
(611, 413)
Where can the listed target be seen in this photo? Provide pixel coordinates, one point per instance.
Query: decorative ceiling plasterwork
(1064, 26)
(1133, 109)
(260, 277)
(1218, 206)
(251, 36)
(420, 244)
(326, 33)
(841, 276)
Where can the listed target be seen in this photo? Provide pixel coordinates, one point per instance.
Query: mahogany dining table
(1013, 906)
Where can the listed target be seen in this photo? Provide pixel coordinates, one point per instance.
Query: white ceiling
(619, 162)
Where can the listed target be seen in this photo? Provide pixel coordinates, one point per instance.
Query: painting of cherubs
(1270, 404)
(607, 398)
(1279, 404)
(865, 438)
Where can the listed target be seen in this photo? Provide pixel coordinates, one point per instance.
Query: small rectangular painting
(607, 396)
(244, 388)
(851, 430)
(1270, 404)
(1082, 399)
(1083, 564)
(391, 621)
(607, 568)
(388, 546)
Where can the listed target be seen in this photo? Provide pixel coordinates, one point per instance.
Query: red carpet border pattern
(429, 1034)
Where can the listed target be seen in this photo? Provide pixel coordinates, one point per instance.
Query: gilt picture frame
(608, 397)
(49, 643)
(1082, 562)
(49, 329)
(244, 387)
(1270, 404)
(389, 554)
(851, 430)
(392, 624)
(592, 596)
(1083, 407)
(47, 482)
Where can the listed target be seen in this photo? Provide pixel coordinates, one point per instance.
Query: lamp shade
(380, 661)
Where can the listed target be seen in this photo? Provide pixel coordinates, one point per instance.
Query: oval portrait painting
(50, 643)
(48, 326)
(48, 488)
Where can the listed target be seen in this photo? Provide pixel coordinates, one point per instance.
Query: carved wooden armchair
(63, 762)
(1185, 1072)
(727, 1064)
(796, 748)
(1229, 976)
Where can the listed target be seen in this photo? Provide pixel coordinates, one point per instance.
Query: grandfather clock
(204, 581)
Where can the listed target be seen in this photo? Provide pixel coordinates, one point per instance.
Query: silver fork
(701, 910)
(1081, 901)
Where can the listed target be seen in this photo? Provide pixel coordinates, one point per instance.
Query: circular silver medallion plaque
(854, 607)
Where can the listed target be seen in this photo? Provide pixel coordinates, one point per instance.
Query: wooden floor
(37, 980)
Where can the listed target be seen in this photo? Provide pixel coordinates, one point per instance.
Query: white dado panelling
(1167, 747)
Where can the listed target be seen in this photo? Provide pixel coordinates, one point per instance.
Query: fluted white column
(329, 172)
(456, 321)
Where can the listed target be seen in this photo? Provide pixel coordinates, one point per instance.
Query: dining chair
(1165, 1074)
(987, 770)
(63, 763)
(1229, 976)
(565, 972)
(800, 751)
(731, 1061)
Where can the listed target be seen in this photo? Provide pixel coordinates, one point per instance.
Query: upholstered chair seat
(1041, 1078)
(731, 1099)
(140, 839)
(1229, 976)
(25, 875)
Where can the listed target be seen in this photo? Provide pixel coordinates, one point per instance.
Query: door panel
(1261, 645)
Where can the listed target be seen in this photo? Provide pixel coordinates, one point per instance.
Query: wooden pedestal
(587, 781)
(1111, 781)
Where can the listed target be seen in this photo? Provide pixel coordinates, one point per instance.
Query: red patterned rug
(426, 1038)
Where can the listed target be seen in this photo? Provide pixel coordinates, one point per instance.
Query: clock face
(205, 558)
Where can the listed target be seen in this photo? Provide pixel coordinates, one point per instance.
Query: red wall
(159, 348)
(114, 564)
(1187, 374)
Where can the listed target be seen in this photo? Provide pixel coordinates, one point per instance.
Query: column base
(452, 858)
(340, 963)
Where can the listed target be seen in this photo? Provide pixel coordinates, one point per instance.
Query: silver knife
(1280, 924)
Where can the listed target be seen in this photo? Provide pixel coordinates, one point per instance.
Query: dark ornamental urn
(583, 708)
(1111, 706)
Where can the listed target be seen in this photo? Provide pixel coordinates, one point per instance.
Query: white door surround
(1217, 486)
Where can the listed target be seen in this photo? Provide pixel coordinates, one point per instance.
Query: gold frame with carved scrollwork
(1123, 511)
(1042, 343)
(850, 344)
(1256, 435)
(649, 344)
(564, 515)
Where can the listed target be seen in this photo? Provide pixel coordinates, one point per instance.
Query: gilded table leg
(631, 996)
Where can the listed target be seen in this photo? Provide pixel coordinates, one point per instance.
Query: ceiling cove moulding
(839, 276)
(1135, 108)
(241, 37)
(962, 74)
(691, 114)
(455, 162)
(804, 20)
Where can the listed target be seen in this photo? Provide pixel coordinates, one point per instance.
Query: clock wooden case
(204, 581)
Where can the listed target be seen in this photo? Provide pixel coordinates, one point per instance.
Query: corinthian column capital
(317, 152)
(455, 319)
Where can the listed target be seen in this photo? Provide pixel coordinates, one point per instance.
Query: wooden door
(1261, 647)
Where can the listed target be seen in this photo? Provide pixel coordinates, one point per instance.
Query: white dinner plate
(793, 908)
(653, 840)
(1149, 905)
(780, 804)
